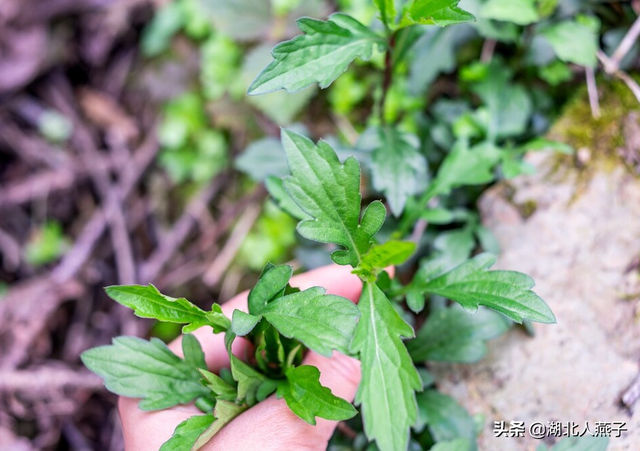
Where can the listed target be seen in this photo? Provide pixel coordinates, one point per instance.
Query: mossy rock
(599, 142)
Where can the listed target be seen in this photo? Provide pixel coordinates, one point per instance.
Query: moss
(599, 138)
(526, 208)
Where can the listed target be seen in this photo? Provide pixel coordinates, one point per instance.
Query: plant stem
(413, 215)
(387, 77)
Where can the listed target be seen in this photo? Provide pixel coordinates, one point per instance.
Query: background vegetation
(130, 153)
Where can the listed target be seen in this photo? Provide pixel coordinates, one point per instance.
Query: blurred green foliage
(46, 244)
(462, 108)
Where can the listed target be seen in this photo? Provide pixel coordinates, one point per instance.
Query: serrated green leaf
(272, 282)
(380, 256)
(187, 433)
(218, 386)
(435, 12)
(573, 42)
(472, 284)
(280, 106)
(320, 321)
(224, 412)
(137, 368)
(520, 12)
(320, 55)
(452, 335)
(446, 419)
(242, 323)
(389, 379)
(398, 169)
(308, 399)
(148, 302)
(329, 192)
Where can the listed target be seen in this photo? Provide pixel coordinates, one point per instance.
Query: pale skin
(269, 425)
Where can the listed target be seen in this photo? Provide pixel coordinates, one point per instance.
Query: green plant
(46, 244)
(423, 166)
(282, 322)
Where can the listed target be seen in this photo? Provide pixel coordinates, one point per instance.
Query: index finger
(336, 279)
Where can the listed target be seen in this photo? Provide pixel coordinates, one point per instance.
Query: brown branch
(612, 69)
(109, 192)
(213, 275)
(183, 273)
(42, 184)
(625, 45)
(592, 90)
(44, 379)
(488, 49)
(29, 148)
(10, 251)
(170, 243)
(93, 230)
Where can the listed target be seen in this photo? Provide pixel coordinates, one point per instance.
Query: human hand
(269, 425)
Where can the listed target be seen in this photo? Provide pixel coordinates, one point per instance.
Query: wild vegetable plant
(398, 407)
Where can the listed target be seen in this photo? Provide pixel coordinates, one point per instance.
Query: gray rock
(577, 233)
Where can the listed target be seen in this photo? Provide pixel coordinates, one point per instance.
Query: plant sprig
(283, 323)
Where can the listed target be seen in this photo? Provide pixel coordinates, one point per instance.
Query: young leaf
(224, 412)
(248, 379)
(472, 284)
(187, 433)
(399, 170)
(148, 302)
(242, 323)
(218, 386)
(329, 192)
(452, 335)
(382, 255)
(435, 12)
(137, 368)
(320, 321)
(272, 282)
(320, 55)
(308, 399)
(389, 379)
